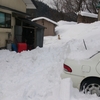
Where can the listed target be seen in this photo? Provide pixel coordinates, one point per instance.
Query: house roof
(31, 23)
(30, 4)
(87, 14)
(34, 3)
(47, 19)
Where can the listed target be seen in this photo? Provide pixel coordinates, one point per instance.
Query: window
(5, 20)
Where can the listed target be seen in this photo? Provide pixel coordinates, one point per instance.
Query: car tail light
(67, 68)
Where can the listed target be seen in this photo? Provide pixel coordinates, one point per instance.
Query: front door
(28, 37)
(18, 34)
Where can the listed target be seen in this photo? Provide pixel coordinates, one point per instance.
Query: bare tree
(59, 5)
(79, 4)
(76, 5)
(88, 5)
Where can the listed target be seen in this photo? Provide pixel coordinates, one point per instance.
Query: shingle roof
(34, 3)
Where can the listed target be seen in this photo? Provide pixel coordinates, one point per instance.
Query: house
(48, 24)
(15, 26)
(98, 7)
(86, 17)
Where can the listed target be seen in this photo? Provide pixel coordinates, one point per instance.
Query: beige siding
(3, 38)
(50, 27)
(4, 32)
(14, 4)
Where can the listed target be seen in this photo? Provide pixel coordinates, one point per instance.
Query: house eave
(30, 4)
(32, 23)
(34, 3)
(44, 18)
(13, 10)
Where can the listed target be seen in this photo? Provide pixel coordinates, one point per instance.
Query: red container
(22, 47)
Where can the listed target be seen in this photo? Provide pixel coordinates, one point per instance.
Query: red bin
(22, 47)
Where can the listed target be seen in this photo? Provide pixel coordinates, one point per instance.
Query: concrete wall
(50, 27)
(14, 4)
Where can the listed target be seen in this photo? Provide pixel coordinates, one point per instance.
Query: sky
(36, 74)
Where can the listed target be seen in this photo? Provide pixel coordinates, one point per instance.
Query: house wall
(14, 4)
(4, 32)
(50, 28)
(84, 19)
(99, 15)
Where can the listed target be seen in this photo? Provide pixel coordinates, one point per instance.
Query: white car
(85, 74)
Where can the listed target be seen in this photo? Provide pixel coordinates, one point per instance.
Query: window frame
(5, 19)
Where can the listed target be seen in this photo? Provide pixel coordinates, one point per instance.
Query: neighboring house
(15, 26)
(48, 24)
(86, 17)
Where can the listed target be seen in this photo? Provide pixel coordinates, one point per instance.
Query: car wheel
(91, 86)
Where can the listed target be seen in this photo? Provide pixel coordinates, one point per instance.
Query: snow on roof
(38, 18)
(29, 4)
(87, 14)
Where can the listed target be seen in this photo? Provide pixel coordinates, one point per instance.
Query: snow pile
(35, 74)
(78, 36)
